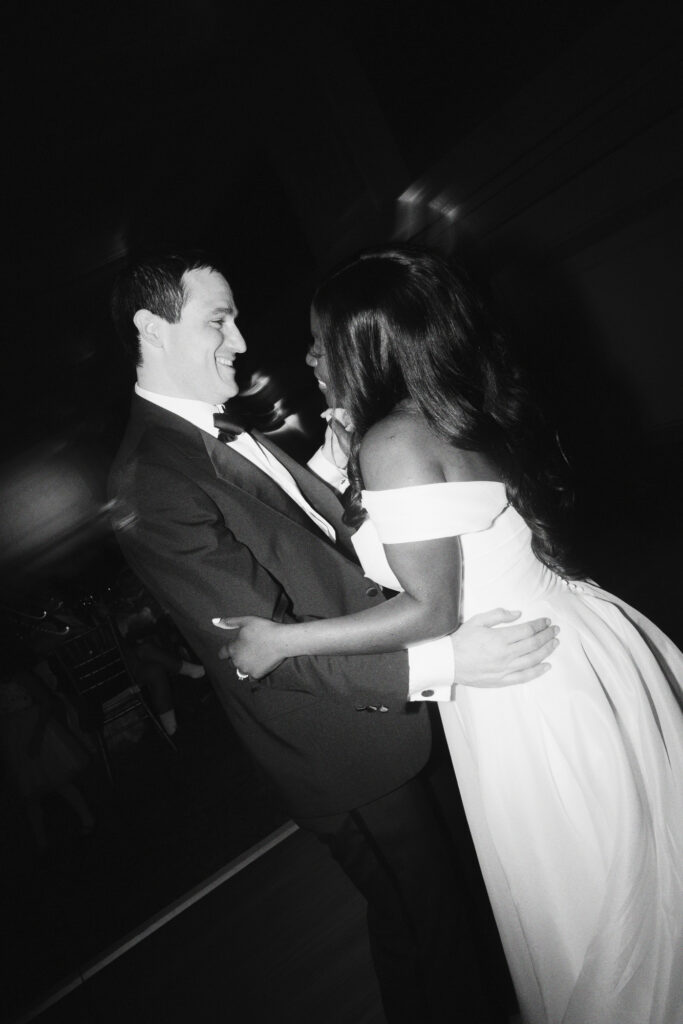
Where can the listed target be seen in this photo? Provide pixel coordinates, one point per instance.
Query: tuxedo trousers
(423, 940)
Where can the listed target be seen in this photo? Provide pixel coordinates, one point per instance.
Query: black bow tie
(227, 430)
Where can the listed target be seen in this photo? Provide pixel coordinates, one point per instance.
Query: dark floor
(170, 821)
(284, 940)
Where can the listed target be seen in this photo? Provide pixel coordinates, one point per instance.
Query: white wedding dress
(572, 783)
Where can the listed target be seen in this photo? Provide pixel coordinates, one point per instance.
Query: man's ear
(148, 326)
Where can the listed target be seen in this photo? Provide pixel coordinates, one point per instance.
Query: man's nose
(311, 359)
(235, 340)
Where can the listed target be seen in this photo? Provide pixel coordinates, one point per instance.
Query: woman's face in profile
(316, 359)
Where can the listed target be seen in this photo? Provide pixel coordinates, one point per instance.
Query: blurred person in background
(155, 655)
(40, 755)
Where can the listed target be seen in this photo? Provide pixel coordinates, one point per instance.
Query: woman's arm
(393, 454)
(429, 572)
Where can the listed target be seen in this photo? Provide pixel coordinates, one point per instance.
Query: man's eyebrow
(230, 310)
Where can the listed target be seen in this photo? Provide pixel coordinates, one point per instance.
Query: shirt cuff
(327, 471)
(431, 667)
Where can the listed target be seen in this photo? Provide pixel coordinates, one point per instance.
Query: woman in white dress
(572, 783)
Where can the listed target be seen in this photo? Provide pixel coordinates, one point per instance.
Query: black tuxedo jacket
(212, 535)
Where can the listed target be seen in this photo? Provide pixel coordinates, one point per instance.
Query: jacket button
(427, 693)
(372, 592)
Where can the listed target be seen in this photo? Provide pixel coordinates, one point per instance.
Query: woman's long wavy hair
(400, 323)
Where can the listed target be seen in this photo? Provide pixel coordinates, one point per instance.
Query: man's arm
(175, 538)
(485, 652)
(174, 533)
(477, 654)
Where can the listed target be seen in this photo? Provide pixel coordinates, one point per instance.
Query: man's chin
(227, 391)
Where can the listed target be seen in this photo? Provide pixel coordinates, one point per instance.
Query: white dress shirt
(201, 415)
(431, 664)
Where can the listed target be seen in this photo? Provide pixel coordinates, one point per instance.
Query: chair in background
(103, 686)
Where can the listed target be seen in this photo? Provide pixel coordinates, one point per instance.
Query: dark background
(538, 141)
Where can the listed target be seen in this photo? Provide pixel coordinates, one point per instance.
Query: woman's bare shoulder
(400, 451)
(403, 451)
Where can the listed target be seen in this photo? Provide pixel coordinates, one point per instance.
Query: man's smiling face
(199, 350)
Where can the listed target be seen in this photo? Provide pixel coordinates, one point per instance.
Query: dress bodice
(497, 556)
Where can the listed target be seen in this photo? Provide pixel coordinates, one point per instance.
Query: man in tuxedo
(220, 523)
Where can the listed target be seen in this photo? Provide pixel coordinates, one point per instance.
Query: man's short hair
(153, 282)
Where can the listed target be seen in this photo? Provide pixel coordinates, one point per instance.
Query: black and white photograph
(341, 536)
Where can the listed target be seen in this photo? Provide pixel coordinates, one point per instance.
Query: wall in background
(571, 195)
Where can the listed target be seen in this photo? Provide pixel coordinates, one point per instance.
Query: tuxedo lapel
(237, 471)
(319, 494)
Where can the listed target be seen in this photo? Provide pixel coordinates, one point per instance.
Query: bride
(572, 782)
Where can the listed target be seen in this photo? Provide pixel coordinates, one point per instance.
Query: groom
(220, 523)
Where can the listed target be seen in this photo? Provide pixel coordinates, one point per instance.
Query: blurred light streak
(427, 219)
(52, 500)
